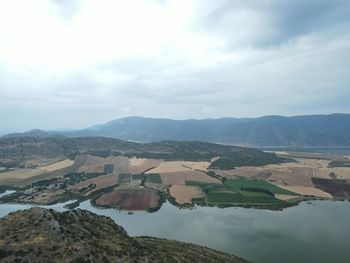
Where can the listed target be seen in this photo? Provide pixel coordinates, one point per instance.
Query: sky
(73, 64)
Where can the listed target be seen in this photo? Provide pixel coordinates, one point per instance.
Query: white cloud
(96, 60)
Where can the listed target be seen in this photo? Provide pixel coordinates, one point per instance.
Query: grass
(238, 184)
(154, 178)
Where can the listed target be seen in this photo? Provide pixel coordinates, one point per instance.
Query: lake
(315, 231)
(310, 149)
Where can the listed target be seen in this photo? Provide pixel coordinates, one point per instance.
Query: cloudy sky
(71, 64)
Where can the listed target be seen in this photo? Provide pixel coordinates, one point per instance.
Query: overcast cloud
(71, 64)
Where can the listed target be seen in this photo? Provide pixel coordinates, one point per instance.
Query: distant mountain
(32, 133)
(309, 130)
(44, 235)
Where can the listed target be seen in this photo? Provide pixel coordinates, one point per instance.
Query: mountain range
(306, 130)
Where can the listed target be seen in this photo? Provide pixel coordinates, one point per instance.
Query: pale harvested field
(139, 165)
(184, 194)
(297, 176)
(202, 166)
(285, 197)
(340, 172)
(172, 178)
(15, 176)
(56, 166)
(18, 175)
(179, 166)
(307, 191)
(102, 181)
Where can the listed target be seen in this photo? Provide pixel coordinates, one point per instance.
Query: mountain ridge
(272, 130)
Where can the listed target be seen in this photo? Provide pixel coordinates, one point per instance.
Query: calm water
(339, 150)
(316, 232)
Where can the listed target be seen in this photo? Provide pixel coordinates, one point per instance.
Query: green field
(238, 184)
(154, 178)
(340, 163)
(137, 176)
(230, 193)
(124, 178)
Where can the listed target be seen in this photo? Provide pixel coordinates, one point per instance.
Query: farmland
(110, 177)
(132, 199)
(243, 192)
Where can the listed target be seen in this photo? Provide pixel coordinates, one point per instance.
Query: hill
(310, 130)
(42, 235)
(27, 151)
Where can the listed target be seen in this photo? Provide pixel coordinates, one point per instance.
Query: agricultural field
(231, 193)
(112, 180)
(16, 177)
(336, 188)
(242, 184)
(131, 199)
(94, 184)
(307, 191)
(179, 166)
(176, 178)
(154, 179)
(184, 194)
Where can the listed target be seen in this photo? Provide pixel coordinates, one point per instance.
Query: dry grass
(175, 178)
(57, 166)
(184, 194)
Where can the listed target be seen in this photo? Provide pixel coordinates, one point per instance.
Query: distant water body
(339, 150)
(315, 231)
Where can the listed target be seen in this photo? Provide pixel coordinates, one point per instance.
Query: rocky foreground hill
(44, 235)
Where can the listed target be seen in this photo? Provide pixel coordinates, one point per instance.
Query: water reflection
(311, 232)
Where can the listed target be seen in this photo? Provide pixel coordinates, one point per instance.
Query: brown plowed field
(130, 199)
(338, 190)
